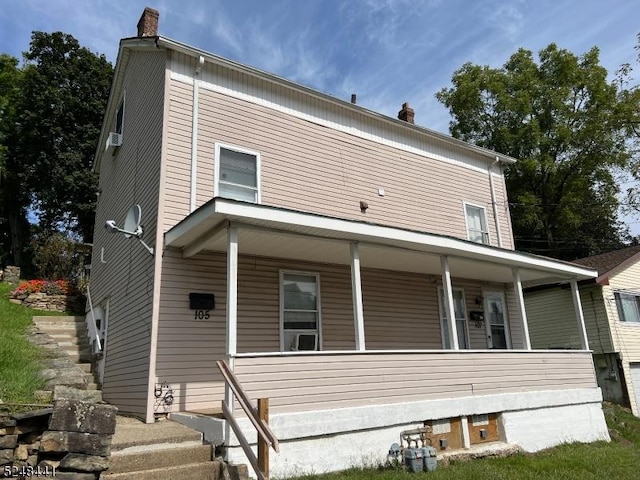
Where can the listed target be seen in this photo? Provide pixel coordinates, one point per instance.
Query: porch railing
(259, 419)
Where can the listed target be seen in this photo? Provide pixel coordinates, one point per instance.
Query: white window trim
(466, 220)
(466, 320)
(507, 331)
(281, 304)
(216, 162)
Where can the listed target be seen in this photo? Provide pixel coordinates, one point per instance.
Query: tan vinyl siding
(126, 278)
(400, 309)
(318, 382)
(334, 169)
(178, 170)
(626, 335)
(553, 322)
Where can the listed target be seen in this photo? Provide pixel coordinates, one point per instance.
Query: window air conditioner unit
(114, 140)
(306, 341)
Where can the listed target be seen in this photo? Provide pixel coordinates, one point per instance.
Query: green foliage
(14, 228)
(568, 126)
(51, 112)
(63, 97)
(58, 257)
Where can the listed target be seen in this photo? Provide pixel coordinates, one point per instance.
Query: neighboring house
(357, 270)
(611, 304)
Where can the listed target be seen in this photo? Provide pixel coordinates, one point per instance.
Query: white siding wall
(126, 277)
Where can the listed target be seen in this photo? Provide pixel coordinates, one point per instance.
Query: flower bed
(51, 295)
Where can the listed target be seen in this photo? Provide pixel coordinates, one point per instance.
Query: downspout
(493, 201)
(194, 133)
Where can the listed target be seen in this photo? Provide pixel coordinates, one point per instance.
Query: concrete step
(175, 454)
(131, 432)
(80, 357)
(190, 471)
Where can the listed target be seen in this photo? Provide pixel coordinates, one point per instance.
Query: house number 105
(202, 315)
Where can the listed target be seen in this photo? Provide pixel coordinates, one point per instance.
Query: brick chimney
(407, 114)
(148, 23)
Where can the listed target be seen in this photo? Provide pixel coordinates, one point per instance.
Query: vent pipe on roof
(407, 114)
(148, 23)
(353, 98)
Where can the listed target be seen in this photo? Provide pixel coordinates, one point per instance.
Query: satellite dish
(132, 222)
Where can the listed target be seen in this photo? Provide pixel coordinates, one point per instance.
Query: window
(237, 174)
(460, 314)
(300, 311)
(120, 117)
(628, 307)
(476, 224)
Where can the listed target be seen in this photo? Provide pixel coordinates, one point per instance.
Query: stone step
(80, 357)
(58, 318)
(85, 367)
(134, 461)
(191, 471)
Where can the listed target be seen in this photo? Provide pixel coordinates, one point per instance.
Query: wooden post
(263, 446)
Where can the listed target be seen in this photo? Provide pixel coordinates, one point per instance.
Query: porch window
(628, 307)
(460, 314)
(300, 311)
(237, 174)
(476, 224)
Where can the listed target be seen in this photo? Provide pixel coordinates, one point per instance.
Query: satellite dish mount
(132, 227)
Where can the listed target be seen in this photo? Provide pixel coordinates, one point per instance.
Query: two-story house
(357, 270)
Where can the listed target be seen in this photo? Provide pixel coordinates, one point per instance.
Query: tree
(64, 94)
(14, 198)
(568, 126)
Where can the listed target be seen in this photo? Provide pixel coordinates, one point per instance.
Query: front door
(496, 320)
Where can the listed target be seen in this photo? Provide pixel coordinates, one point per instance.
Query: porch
(400, 328)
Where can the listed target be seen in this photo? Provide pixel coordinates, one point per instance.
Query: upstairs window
(120, 117)
(237, 174)
(476, 224)
(628, 307)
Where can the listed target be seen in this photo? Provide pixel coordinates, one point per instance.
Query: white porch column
(517, 287)
(577, 305)
(356, 289)
(449, 307)
(232, 303)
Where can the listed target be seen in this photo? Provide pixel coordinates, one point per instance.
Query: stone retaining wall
(70, 440)
(51, 303)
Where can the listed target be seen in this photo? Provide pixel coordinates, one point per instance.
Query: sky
(386, 51)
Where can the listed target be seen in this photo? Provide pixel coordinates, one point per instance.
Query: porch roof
(283, 233)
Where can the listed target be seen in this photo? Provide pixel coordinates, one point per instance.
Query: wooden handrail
(261, 427)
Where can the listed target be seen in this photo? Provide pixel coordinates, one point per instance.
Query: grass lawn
(618, 460)
(19, 359)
